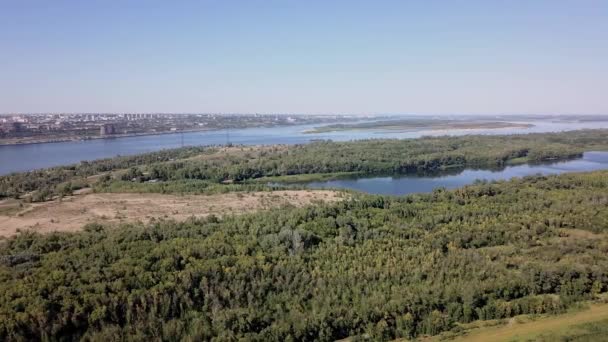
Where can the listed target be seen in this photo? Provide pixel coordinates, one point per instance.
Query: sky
(282, 56)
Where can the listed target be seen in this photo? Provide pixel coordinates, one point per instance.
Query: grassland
(589, 323)
(73, 212)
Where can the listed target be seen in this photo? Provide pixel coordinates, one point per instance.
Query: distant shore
(115, 136)
(417, 125)
(112, 136)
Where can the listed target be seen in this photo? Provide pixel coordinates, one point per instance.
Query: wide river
(591, 161)
(28, 157)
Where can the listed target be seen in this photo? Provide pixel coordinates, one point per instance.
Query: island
(408, 125)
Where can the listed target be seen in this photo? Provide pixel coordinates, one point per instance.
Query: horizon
(316, 114)
(318, 58)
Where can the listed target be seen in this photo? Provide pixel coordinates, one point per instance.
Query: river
(15, 158)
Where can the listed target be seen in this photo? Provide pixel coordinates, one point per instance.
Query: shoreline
(114, 136)
(130, 135)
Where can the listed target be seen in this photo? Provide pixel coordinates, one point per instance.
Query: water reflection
(402, 185)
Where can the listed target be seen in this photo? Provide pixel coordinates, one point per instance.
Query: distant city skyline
(314, 114)
(304, 57)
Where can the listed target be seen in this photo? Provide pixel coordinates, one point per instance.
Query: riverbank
(117, 136)
(86, 138)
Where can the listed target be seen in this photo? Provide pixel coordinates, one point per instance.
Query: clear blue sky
(304, 56)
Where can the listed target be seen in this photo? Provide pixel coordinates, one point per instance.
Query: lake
(16, 158)
(591, 161)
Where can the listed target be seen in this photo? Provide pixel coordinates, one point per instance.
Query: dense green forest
(197, 168)
(63, 179)
(372, 266)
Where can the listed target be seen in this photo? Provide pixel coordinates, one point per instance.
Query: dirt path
(528, 330)
(74, 212)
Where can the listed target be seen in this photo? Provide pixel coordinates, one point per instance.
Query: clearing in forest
(72, 213)
(521, 328)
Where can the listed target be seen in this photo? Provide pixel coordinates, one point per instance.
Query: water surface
(34, 156)
(591, 161)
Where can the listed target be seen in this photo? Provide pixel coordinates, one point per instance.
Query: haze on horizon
(431, 57)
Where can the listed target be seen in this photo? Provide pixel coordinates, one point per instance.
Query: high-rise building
(107, 129)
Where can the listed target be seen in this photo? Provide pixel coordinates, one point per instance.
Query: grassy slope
(577, 324)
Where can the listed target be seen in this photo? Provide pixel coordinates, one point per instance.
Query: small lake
(402, 185)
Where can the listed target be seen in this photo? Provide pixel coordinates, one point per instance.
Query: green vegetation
(586, 332)
(186, 169)
(189, 186)
(584, 322)
(302, 178)
(418, 124)
(370, 267)
(331, 160)
(46, 183)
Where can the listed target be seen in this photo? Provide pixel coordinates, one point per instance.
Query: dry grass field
(546, 328)
(71, 213)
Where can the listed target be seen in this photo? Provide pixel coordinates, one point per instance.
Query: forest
(220, 169)
(371, 267)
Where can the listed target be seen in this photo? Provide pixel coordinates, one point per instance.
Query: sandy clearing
(220, 153)
(72, 213)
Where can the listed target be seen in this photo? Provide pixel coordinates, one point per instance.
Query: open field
(412, 125)
(73, 212)
(582, 324)
(222, 152)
